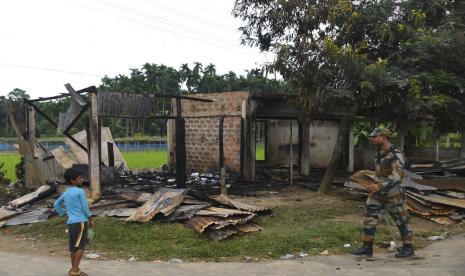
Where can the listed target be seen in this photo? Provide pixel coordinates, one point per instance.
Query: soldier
(386, 195)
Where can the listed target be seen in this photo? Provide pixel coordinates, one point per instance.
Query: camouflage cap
(380, 131)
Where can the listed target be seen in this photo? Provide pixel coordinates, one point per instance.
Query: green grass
(287, 230)
(260, 152)
(145, 159)
(10, 160)
(134, 159)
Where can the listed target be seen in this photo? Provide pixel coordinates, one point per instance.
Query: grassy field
(10, 160)
(260, 152)
(134, 159)
(145, 159)
(288, 230)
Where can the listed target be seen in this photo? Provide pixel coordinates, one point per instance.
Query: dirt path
(441, 258)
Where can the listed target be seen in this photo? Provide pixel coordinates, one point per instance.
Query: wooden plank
(41, 192)
(94, 159)
(249, 150)
(224, 191)
(462, 144)
(180, 151)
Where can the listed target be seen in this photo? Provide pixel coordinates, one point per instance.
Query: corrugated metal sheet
(200, 223)
(122, 104)
(122, 212)
(443, 184)
(225, 200)
(38, 215)
(7, 213)
(41, 192)
(165, 202)
(221, 212)
(185, 212)
(248, 228)
(221, 234)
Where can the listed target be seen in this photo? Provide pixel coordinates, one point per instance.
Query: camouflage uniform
(390, 197)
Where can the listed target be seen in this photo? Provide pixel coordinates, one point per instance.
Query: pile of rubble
(218, 217)
(431, 195)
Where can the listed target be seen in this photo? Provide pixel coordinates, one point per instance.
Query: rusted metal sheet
(443, 184)
(193, 201)
(225, 200)
(221, 234)
(164, 202)
(232, 220)
(121, 212)
(7, 213)
(41, 192)
(248, 228)
(185, 212)
(443, 220)
(37, 215)
(365, 178)
(442, 200)
(200, 223)
(122, 104)
(137, 196)
(221, 212)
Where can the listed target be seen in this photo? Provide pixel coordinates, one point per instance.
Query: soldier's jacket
(389, 171)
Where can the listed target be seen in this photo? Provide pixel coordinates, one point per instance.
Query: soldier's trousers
(375, 209)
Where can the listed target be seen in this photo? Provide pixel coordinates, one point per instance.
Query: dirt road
(441, 258)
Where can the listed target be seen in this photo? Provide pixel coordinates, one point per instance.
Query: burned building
(287, 131)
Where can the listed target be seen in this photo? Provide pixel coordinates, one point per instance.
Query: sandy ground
(441, 258)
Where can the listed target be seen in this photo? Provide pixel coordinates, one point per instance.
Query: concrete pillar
(350, 149)
(93, 147)
(249, 151)
(171, 144)
(304, 147)
(447, 141)
(436, 147)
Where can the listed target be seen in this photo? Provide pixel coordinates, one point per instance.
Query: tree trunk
(342, 135)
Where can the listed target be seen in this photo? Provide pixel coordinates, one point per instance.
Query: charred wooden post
(350, 159)
(435, 146)
(180, 134)
(291, 157)
(304, 147)
(221, 151)
(31, 129)
(462, 146)
(111, 155)
(93, 147)
(401, 139)
(248, 117)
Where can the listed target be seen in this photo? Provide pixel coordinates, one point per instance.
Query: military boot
(366, 249)
(405, 251)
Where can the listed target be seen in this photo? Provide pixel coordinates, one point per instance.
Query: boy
(79, 217)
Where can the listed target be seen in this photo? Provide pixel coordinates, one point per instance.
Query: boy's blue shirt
(76, 206)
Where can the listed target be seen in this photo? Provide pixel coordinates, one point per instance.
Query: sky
(45, 44)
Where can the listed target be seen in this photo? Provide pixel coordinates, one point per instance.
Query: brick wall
(202, 130)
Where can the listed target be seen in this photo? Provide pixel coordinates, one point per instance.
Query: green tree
(355, 54)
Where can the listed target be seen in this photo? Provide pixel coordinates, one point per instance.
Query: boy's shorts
(77, 233)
